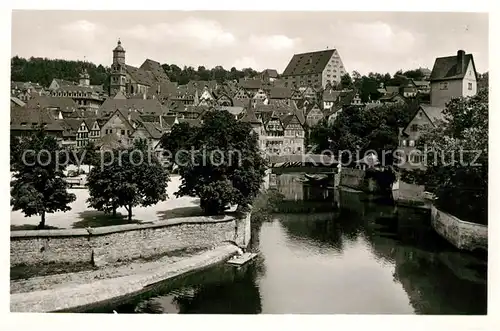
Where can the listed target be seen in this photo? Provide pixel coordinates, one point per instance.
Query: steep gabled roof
(448, 68)
(308, 63)
(45, 101)
(250, 117)
(156, 69)
(280, 93)
(271, 73)
(433, 113)
(141, 76)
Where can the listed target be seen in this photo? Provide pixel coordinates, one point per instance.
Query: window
(470, 86)
(123, 132)
(414, 127)
(403, 143)
(411, 143)
(443, 86)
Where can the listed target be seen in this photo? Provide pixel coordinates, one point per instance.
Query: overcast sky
(371, 41)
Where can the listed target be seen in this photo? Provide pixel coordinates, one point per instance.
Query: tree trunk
(114, 211)
(41, 225)
(130, 212)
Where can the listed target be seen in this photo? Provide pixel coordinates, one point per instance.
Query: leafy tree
(127, 178)
(38, 186)
(177, 140)
(227, 167)
(456, 153)
(358, 130)
(43, 70)
(346, 81)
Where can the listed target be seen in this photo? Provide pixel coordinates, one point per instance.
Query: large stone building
(147, 80)
(86, 96)
(315, 69)
(451, 77)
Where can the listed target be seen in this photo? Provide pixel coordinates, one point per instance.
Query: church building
(146, 80)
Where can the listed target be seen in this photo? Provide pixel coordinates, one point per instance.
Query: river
(331, 252)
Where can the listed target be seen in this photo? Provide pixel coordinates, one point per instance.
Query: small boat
(241, 259)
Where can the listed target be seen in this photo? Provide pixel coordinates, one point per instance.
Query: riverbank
(80, 291)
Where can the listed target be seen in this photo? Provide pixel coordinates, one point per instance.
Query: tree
(127, 178)
(357, 131)
(456, 157)
(346, 81)
(177, 139)
(38, 186)
(226, 167)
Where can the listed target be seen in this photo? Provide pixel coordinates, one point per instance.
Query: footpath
(81, 291)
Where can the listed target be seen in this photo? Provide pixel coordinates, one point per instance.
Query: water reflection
(349, 256)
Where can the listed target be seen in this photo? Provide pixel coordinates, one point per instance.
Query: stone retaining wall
(126, 242)
(463, 235)
(352, 178)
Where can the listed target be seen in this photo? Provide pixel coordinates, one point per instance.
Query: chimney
(460, 62)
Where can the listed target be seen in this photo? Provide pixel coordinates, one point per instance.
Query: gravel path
(111, 271)
(82, 293)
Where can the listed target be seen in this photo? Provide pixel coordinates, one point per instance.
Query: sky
(366, 41)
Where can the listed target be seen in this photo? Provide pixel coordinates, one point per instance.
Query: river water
(329, 252)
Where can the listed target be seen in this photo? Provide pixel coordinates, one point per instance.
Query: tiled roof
(308, 63)
(422, 83)
(280, 93)
(45, 101)
(446, 68)
(240, 102)
(64, 83)
(156, 69)
(144, 106)
(141, 76)
(168, 120)
(434, 113)
(271, 73)
(250, 116)
(331, 95)
(192, 122)
(235, 111)
(392, 89)
(200, 84)
(26, 118)
(152, 128)
(252, 84)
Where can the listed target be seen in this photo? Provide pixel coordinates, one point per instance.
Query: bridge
(301, 160)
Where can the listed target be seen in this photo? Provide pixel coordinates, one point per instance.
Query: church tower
(84, 78)
(118, 78)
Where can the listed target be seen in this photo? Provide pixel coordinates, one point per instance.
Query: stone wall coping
(49, 233)
(120, 228)
(458, 219)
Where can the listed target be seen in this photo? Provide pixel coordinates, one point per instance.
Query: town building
(316, 69)
(269, 75)
(25, 91)
(86, 96)
(452, 77)
(425, 116)
(148, 79)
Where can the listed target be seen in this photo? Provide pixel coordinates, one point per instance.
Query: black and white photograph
(249, 162)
